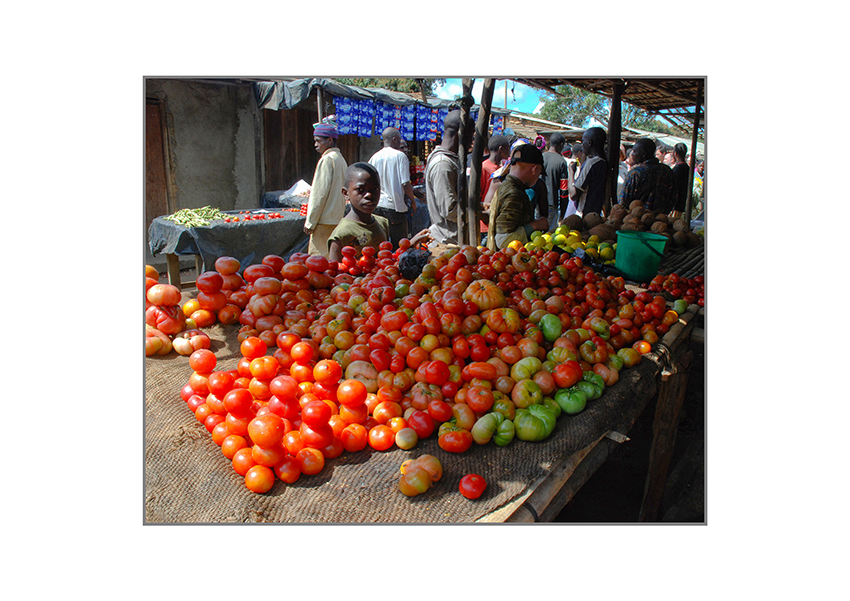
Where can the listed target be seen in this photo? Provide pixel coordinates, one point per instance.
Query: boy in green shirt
(359, 227)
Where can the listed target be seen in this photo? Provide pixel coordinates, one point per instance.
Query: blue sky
(520, 98)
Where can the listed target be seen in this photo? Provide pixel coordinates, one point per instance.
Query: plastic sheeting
(277, 94)
(247, 241)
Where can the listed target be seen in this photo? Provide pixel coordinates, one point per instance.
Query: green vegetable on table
(195, 217)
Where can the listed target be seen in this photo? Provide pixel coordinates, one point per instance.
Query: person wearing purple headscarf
(326, 207)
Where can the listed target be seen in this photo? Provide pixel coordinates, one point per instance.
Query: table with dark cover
(247, 241)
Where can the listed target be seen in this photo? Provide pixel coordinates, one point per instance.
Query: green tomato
(551, 326)
(504, 407)
(485, 427)
(596, 380)
(525, 393)
(614, 362)
(589, 389)
(551, 404)
(504, 433)
(680, 305)
(525, 368)
(571, 400)
(535, 423)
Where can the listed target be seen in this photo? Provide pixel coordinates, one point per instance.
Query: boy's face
(363, 192)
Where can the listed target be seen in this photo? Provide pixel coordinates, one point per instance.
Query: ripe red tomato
(422, 423)
(288, 470)
(327, 371)
(472, 486)
(243, 460)
(316, 414)
(352, 393)
(567, 374)
(457, 441)
(381, 437)
(310, 460)
(252, 348)
(266, 430)
(209, 282)
(259, 479)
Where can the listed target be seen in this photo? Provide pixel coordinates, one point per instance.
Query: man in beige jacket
(327, 205)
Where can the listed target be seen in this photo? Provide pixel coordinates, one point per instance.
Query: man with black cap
(512, 212)
(326, 207)
(556, 171)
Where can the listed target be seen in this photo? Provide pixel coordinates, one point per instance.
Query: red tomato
(352, 393)
(472, 486)
(422, 423)
(316, 414)
(310, 460)
(227, 265)
(437, 372)
(259, 479)
(457, 441)
(266, 430)
(567, 374)
(209, 282)
(354, 437)
(327, 371)
(202, 361)
(479, 399)
(288, 470)
(252, 347)
(381, 437)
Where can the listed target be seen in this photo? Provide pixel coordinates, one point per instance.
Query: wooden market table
(247, 241)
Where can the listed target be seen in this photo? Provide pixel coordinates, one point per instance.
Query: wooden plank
(172, 264)
(670, 399)
(539, 492)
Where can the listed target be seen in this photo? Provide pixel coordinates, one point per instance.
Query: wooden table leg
(173, 265)
(671, 395)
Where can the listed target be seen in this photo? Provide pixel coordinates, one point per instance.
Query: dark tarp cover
(277, 94)
(247, 241)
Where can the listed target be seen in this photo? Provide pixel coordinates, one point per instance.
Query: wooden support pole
(671, 396)
(615, 127)
(465, 135)
(320, 102)
(690, 201)
(482, 128)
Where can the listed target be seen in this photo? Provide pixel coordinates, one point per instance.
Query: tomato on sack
(455, 441)
(472, 486)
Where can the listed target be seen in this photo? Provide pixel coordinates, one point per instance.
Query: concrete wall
(214, 139)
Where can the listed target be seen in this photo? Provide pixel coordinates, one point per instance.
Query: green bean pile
(196, 217)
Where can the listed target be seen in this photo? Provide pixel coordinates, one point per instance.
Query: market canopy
(672, 99)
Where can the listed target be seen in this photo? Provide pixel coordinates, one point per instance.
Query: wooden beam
(654, 86)
(614, 128)
(481, 137)
(690, 201)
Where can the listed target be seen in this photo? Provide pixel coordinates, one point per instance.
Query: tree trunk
(481, 138)
(465, 135)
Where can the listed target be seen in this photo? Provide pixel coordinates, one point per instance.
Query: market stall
(247, 240)
(188, 480)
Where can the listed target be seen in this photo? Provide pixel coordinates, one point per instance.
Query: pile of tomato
(251, 216)
(482, 347)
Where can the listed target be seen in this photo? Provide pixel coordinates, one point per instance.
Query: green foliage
(395, 84)
(575, 107)
(578, 106)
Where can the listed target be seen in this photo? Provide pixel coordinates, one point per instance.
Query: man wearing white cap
(327, 204)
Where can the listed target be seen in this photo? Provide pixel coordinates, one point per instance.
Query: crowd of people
(526, 186)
